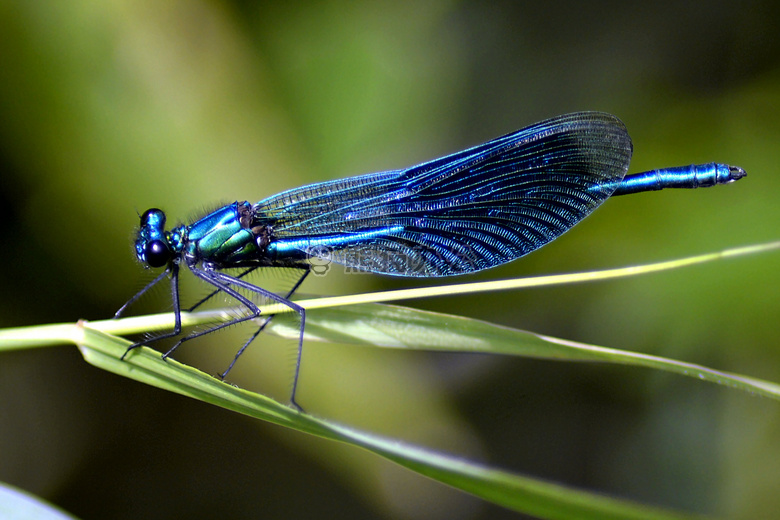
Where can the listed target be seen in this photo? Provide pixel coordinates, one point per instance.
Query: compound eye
(156, 253)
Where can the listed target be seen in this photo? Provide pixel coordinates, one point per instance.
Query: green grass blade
(398, 327)
(402, 327)
(532, 496)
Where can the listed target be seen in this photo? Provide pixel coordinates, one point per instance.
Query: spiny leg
(140, 293)
(176, 311)
(263, 326)
(214, 292)
(284, 301)
(224, 282)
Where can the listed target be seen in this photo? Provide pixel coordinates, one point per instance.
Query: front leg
(176, 310)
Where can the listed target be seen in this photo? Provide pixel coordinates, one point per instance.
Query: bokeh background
(109, 108)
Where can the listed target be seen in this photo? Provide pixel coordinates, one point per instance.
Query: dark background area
(109, 108)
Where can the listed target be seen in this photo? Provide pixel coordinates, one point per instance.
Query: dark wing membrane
(468, 211)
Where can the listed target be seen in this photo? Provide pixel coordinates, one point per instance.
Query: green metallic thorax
(222, 238)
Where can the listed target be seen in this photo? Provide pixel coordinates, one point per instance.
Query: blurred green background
(109, 108)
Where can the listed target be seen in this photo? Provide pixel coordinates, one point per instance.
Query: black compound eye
(157, 253)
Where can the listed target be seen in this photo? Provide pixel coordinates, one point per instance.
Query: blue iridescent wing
(465, 212)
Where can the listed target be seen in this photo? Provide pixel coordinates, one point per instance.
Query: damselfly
(462, 213)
